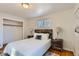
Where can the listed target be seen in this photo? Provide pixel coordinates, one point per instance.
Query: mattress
(28, 47)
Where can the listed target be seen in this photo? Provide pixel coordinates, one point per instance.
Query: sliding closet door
(12, 31)
(1, 32)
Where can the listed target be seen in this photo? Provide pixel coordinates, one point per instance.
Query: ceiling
(37, 9)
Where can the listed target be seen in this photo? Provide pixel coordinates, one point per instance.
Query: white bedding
(28, 47)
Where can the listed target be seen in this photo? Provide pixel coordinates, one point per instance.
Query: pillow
(35, 34)
(39, 37)
(43, 36)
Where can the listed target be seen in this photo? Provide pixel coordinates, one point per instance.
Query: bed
(31, 46)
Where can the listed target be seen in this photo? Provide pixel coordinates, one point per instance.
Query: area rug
(51, 54)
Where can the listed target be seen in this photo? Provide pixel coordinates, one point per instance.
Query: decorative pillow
(43, 36)
(39, 37)
(35, 34)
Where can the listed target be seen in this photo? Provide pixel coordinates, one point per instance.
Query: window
(43, 23)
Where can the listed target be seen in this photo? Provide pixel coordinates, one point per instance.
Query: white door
(1, 32)
(12, 33)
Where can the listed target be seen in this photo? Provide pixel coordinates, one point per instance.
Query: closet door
(12, 31)
(17, 33)
(7, 34)
(11, 34)
(1, 32)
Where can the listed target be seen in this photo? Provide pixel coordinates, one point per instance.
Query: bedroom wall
(29, 25)
(67, 21)
(8, 29)
(76, 35)
(27, 28)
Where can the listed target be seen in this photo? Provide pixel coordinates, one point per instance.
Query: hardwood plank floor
(61, 53)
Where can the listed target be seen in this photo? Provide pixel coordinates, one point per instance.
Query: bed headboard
(49, 31)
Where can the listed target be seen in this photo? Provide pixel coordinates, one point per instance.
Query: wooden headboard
(49, 31)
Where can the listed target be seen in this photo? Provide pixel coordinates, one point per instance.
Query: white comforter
(28, 47)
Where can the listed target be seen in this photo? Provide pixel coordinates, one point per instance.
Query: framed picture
(77, 29)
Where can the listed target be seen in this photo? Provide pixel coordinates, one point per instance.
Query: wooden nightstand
(57, 44)
(29, 36)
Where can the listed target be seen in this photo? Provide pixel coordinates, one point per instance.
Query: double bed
(31, 46)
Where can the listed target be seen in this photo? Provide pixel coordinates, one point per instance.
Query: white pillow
(44, 36)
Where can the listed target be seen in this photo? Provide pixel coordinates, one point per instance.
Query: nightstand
(29, 36)
(57, 44)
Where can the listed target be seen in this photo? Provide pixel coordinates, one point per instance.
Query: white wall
(68, 21)
(12, 17)
(65, 20)
(76, 35)
(26, 28)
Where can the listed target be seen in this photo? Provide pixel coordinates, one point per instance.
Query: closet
(12, 30)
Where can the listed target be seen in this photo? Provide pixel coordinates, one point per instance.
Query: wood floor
(59, 52)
